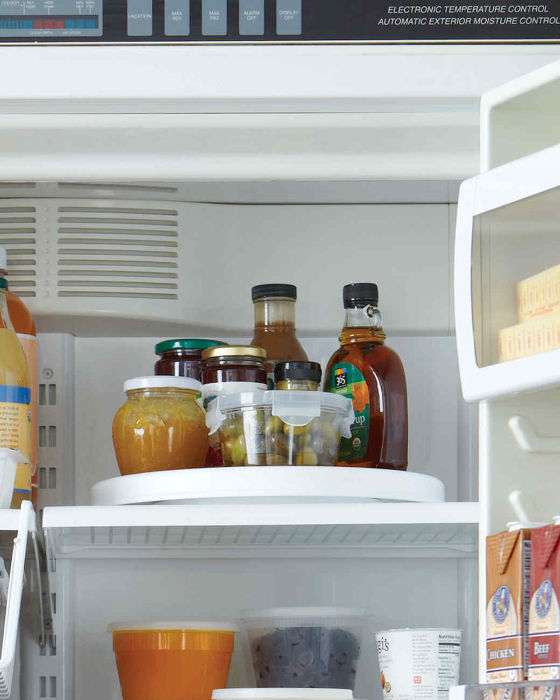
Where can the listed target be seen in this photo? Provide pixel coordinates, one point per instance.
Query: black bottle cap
(262, 291)
(297, 370)
(360, 294)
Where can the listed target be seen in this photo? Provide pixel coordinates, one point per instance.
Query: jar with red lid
(182, 357)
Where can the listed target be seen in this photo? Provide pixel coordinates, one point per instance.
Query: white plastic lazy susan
(268, 485)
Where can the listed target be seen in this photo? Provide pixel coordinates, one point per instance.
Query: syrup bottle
(371, 374)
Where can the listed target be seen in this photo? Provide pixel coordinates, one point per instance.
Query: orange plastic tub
(172, 660)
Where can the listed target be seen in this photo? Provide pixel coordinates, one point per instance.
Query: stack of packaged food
(538, 312)
(212, 404)
(523, 611)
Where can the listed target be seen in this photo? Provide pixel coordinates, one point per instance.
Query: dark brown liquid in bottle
(384, 375)
(275, 331)
(280, 342)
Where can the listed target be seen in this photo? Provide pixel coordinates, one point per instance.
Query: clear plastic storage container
(172, 660)
(271, 428)
(315, 647)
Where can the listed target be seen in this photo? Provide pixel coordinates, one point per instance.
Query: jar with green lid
(297, 376)
(182, 357)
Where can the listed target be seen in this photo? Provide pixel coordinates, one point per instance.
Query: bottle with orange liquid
(371, 374)
(275, 325)
(15, 399)
(24, 326)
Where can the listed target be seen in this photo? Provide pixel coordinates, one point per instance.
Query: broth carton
(544, 611)
(508, 560)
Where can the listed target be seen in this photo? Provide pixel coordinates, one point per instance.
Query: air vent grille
(117, 252)
(18, 234)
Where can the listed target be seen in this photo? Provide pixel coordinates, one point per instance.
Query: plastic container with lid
(172, 660)
(230, 370)
(419, 664)
(297, 376)
(316, 647)
(182, 357)
(161, 426)
(272, 428)
(282, 694)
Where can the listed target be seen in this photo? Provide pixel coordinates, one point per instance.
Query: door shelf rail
(275, 530)
(23, 523)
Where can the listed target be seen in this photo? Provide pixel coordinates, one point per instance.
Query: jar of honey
(161, 426)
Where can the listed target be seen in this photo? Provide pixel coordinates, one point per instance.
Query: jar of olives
(273, 428)
(297, 376)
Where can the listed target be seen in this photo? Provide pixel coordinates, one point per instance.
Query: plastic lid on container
(519, 525)
(189, 625)
(315, 613)
(296, 408)
(265, 291)
(162, 382)
(360, 294)
(282, 694)
(298, 370)
(186, 344)
(234, 351)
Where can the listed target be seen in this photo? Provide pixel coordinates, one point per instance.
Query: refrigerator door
(508, 334)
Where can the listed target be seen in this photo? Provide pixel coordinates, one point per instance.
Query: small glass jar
(229, 370)
(182, 357)
(297, 376)
(234, 363)
(161, 426)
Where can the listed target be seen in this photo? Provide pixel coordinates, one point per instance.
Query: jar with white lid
(161, 426)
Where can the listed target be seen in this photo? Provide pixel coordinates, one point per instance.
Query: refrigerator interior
(196, 249)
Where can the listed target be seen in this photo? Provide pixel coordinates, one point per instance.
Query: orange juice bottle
(15, 399)
(24, 326)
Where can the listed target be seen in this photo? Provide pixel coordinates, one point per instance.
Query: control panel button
(177, 20)
(214, 17)
(139, 17)
(251, 17)
(288, 17)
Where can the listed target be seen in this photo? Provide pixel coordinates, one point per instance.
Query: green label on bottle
(347, 380)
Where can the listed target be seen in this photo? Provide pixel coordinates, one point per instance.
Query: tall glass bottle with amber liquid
(275, 325)
(372, 375)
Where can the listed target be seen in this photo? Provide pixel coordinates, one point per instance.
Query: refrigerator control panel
(57, 19)
(274, 21)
